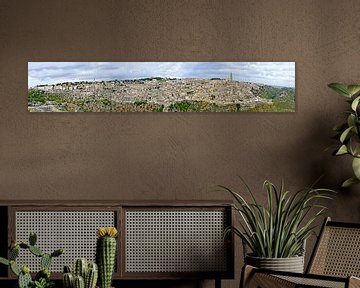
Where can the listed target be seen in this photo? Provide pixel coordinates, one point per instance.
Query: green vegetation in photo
(275, 106)
(271, 92)
(131, 107)
(183, 106)
(140, 102)
(283, 99)
(263, 107)
(37, 96)
(159, 109)
(106, 102)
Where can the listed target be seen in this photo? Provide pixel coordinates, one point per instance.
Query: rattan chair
(334, 263)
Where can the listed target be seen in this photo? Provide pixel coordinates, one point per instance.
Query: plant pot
(291, 264)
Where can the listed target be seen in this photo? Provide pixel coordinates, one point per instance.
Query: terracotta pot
(291, 264)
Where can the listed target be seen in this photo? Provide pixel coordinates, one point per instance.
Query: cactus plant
(84, 274)
(32, 239)
(79, 282)
(68, 280)
(105, 254)
(42, 278)
(24, 277)
(80, 267)
(45, 261)
(13, 253)
(14, 268)
(43, 274)
(4, 261)
(36, 251)
(91, 276)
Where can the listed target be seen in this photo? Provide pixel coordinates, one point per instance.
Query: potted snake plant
(274, 234)
(348, 132)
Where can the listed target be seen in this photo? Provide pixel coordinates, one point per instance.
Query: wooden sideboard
(164, 240)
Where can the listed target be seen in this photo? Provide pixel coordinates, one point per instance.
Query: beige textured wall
(176, 156)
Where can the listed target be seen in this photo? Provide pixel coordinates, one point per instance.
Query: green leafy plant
(42, 278)
(279, 229)
(43, 283)
(348, 132)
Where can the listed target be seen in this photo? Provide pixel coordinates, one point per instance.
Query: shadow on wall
(322, 163)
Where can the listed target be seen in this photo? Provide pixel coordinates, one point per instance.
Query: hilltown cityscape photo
(161, 86)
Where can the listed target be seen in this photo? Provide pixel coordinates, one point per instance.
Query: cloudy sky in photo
(271, 73)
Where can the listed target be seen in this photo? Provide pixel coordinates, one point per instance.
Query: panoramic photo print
(161, 86)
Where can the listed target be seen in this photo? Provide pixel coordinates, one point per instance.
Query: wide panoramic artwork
(161, 86)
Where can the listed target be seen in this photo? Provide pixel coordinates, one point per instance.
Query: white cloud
(272, 73)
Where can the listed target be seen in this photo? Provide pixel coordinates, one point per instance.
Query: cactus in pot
(42, 278)
(91, 276)
(81, 267)
(25, 279)
(68, 278)
(85, 275)
(79, 282)
(106, 254)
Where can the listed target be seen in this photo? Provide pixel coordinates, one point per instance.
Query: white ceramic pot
(291, 264)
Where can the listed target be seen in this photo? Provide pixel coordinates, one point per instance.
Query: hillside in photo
(157, 94)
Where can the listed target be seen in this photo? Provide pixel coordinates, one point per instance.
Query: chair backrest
(337, 251)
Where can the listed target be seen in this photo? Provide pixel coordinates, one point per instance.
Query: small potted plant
(349, 131)
(275, 233)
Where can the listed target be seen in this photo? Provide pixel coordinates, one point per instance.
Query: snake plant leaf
(342, 150)
(349, 182)
(356, 167)
(340, 88)
(355, 103)
(345, 134)
(353, 89)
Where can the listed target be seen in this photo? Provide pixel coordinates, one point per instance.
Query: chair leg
(217, 283)
(246, 273)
